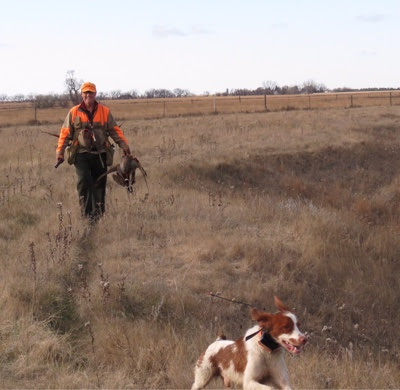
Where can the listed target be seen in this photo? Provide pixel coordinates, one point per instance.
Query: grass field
(25, 113)
(304, 204)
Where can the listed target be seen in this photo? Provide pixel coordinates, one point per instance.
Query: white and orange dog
(256, 360)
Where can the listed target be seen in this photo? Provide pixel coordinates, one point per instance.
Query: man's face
(88, 98)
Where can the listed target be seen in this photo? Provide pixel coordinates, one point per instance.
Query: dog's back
(219, 360)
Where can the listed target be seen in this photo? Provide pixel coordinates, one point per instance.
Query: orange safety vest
(103, 126)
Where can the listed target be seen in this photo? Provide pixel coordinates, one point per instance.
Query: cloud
(168, 31)
(198, 30)
(369, 52)
(372, 18)
(280, 25)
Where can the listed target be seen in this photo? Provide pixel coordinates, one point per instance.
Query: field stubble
(302, 204)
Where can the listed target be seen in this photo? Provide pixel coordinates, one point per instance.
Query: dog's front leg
(279, 373)
(254, 385)
(249, 381)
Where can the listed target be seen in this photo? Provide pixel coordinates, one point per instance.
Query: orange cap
(88, 87)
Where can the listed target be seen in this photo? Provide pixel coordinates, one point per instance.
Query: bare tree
(134, 94)
(150, 93)
(179, 92)
(115, 94)
(73, 86)
(310, 86)
(103, 96)
(18, 98)
(269, 87)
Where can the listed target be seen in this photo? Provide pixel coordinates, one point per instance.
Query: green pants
(91, 194)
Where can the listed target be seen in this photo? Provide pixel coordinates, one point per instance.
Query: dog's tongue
(295, 350)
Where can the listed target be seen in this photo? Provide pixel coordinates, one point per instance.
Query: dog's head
(282, 326)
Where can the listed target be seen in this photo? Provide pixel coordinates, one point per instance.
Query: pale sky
(198, 45)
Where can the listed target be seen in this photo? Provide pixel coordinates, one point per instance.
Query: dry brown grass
(302, 204)
(24, 112)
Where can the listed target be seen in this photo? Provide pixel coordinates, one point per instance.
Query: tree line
(308, 87)
(72, 92)
(65, 99)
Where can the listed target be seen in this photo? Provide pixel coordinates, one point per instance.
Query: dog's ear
(263, 318)
(280, 305)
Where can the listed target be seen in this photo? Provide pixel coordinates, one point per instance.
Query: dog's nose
(303, 339)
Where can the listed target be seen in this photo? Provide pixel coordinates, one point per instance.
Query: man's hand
(59, 162)
(59, 159)
(126, 150)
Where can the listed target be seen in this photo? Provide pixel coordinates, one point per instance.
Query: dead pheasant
(125, 172)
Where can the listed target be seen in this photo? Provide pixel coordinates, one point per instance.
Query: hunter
(84, 141)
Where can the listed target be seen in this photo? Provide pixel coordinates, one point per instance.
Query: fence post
(164, 108)
(34, 107)
(309, 102)
(215, 105)
(265, 102)
(390, 97)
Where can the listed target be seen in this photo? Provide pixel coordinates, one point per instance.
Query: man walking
(87, 128)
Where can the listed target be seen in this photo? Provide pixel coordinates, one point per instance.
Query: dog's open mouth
(293, 349)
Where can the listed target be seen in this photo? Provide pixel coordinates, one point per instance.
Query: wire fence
(28, 113)
(153, 108)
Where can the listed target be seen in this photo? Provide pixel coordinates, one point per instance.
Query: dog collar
(265, 340)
